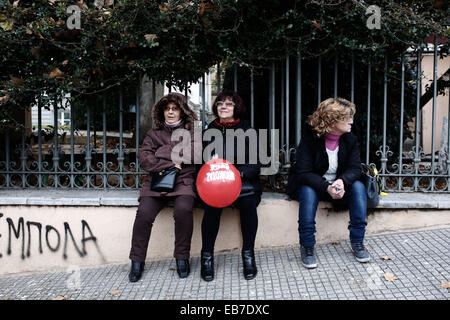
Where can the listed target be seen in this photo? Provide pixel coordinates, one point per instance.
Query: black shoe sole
(250, 277)
(208, 279)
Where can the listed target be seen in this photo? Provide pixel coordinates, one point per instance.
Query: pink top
(332, 140)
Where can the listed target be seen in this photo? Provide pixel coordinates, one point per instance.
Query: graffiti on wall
(25, 234)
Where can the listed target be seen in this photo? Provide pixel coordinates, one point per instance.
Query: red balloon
(218, 183)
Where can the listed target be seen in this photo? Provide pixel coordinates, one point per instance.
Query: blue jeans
(355, 198)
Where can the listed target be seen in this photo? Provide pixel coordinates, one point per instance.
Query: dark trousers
(355, 198)
(249, 223)
(149, 207)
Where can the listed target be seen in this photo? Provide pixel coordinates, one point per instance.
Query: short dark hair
(239, 106)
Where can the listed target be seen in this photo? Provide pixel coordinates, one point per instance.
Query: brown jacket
(155, 152)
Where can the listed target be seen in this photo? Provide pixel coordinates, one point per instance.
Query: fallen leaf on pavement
(445, 285)
(114, 292)
(61, 298)
(335, 242)
(386, 258)
(390, 277)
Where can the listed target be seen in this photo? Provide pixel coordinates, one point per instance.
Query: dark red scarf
(226, 124)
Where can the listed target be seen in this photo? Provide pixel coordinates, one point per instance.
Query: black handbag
(371, 181)
(247, 189)
(164, 181)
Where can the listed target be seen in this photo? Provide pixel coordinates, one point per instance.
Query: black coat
(312, 161)
(250, 172)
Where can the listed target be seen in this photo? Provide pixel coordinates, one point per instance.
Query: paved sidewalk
(419, 263)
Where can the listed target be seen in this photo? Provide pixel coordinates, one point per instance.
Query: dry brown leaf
(82, 5)
(390, 277)
(61, 298)
(335, 242)
(15, 80)
(386, 258)
(445, 285)
(164, 8)
(114, 292)
(6, 23)
(172, 269)
(55, 73)
(150, 37)
(317, 25)
(36, 51)
(4, 99)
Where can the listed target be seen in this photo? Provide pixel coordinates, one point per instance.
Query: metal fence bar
(120, 158)
(203, 101)
(352, 92)
(252, 100)
(88, 157)
(137, 133)
(433, 123)
(39, 144)
(369, 84)
(105, 177)
(272, 96)
(282, 103)
(7, 157)
(235, 77)
(417, 122)
(448, 142)
(55, 143)
(287, 108)
(319, 80)
(219, 84)
(402, 109)
(23, 157)
(298, 101)
(336, 76)
(153, 97)
(384, 154)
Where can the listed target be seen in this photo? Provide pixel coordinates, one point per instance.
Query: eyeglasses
(346, 118)
(228, 104)
(174, 109)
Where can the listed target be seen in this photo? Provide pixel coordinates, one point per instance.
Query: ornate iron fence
(63, 161)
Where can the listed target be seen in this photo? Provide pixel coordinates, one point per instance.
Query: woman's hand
(336, 189)
(178, 166)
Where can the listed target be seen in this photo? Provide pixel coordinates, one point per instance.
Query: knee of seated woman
(358, 187)
(306, 192)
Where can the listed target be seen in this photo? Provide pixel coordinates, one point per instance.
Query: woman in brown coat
(171, 112)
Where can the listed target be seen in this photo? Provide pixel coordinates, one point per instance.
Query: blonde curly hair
(329, 112)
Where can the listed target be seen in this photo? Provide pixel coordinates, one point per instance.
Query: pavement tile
(420, 260)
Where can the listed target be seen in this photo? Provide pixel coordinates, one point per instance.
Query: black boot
(207, 266)
(136, 271)
(248, 260)
(183, 268)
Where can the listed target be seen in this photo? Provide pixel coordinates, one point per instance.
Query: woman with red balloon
(229, 109)
(170, 113)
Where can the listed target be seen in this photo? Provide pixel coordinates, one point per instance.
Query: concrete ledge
(127, 198)
(42, 230)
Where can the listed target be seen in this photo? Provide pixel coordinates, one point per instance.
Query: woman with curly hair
(171, 112)
(328, 167)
